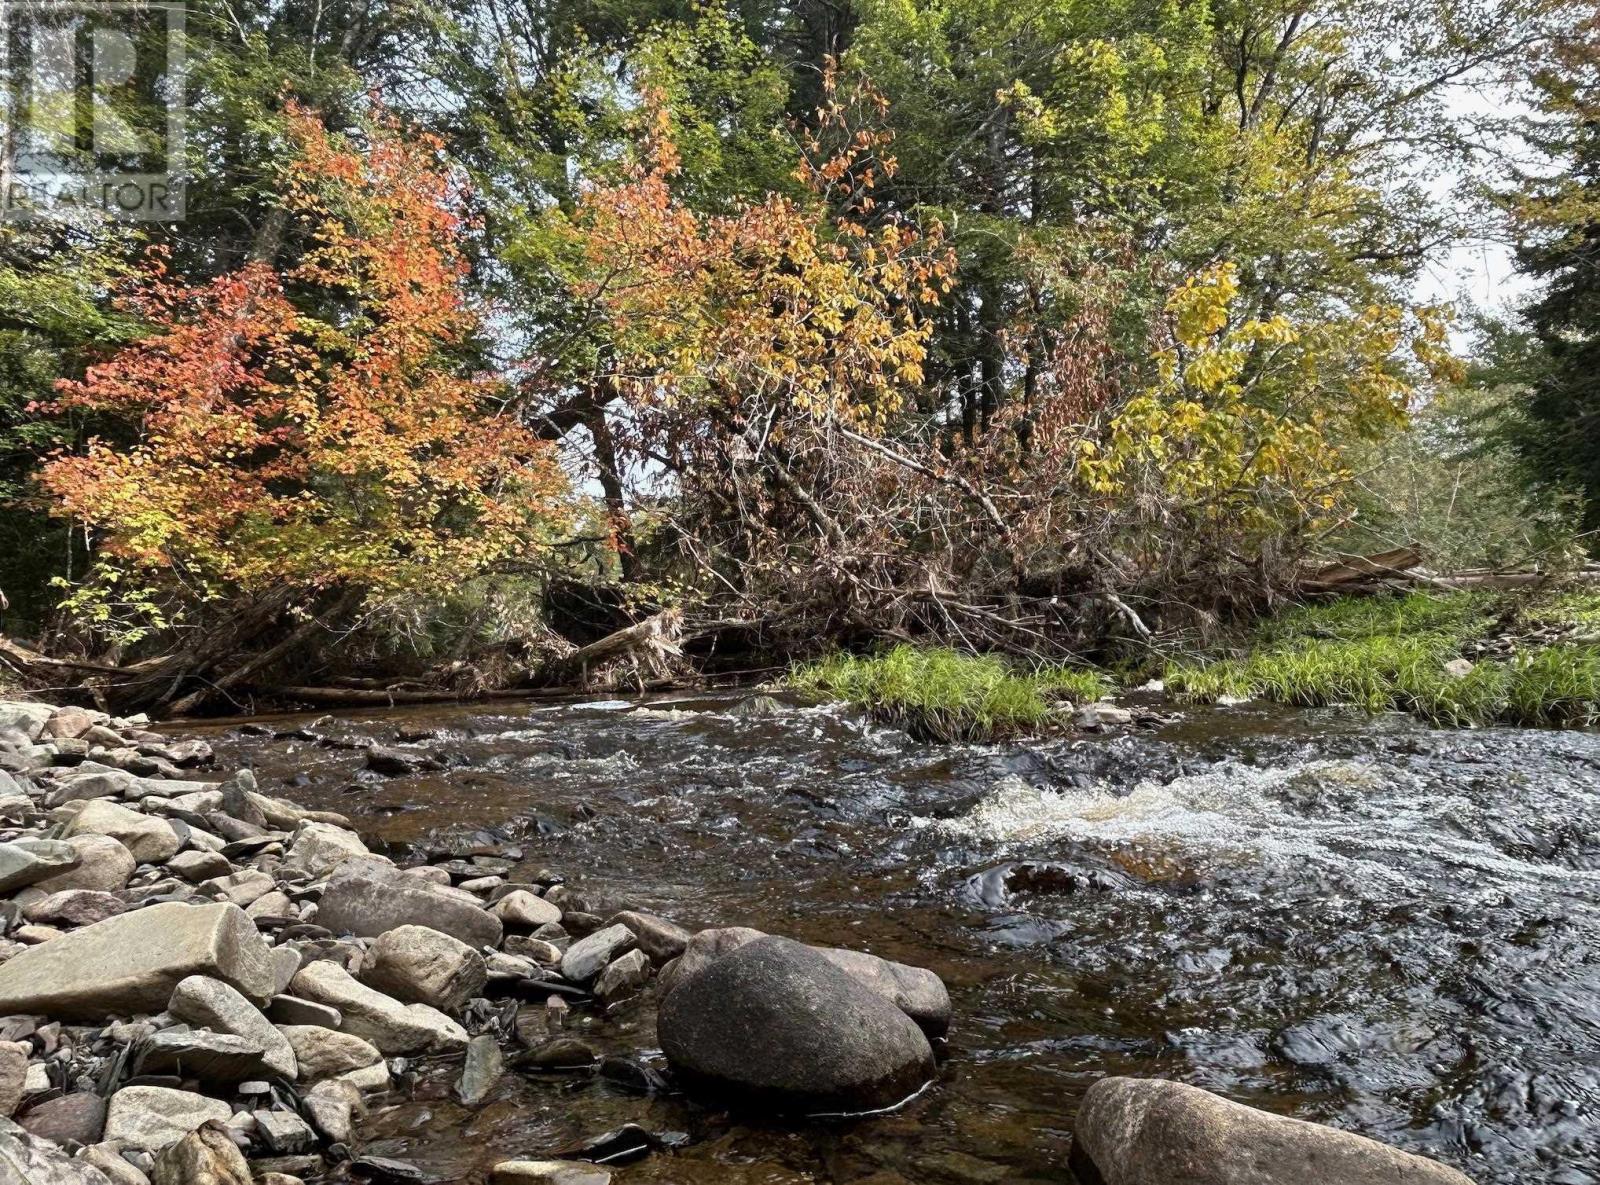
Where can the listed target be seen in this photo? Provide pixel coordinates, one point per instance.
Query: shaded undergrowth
(1532, 661)
(943, 695)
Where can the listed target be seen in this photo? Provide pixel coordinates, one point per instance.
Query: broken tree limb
(647, 645)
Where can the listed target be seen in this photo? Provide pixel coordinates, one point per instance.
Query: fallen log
(1359, 569)
(646, 646)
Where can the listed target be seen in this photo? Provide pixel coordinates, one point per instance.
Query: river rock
(199, 865)
(151, 840)
(28, 719)
(1146, 1131)
(917, 992)
(30, 860)
(776, 1025)
(547, 1172)
(79, 1117)
(369, 899)
(151, 1117)
(285, 1133)
(332, 1106)
(132, 963)
(108, 1160)
(292, 1010)
(319, 848)
(660, 939)
(212, 1004)
(323, 1053)
(623, 977)
(242, 888)
(74, 907)
(206, 1156)
(524, 910)
(423, 966)
(27, 1160)
(589, 956)
(104, 865)
(13, 1075)
(480, 1071)
(395, 1028)
(196, 1053)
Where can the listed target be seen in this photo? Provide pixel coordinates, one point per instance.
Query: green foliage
(1389, 653)
(944, 695)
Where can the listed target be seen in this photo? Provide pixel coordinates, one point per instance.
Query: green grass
(943, 695)
(1389, 653)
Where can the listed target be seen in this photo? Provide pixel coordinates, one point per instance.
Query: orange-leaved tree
(733, 338)
(307, 434)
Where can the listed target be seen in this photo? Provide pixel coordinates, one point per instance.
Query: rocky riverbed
(202, 982)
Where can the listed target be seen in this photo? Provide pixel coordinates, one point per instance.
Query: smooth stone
(286, 963)
(369, 900)
(523, 946)
(103, 864)
(212, 1004)
(151, 1117)
(131, 963)
(587, 957)
(108, 1159)
(775, 1025)
(195, 866)
(423, 966)
(1147, 1131)
(332, 1106)
(27, 718)
(151, 840)
(917, 992)
(522, 909)
(547, 1172)
(241, 888)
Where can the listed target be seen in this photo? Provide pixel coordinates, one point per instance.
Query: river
(1364, 922)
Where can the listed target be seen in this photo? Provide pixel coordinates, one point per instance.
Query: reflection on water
(1366, 923)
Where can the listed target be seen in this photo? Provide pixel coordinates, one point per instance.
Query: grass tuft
(943, 695)
(1390, 653)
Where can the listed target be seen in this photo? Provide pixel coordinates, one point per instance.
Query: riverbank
(1451, 658)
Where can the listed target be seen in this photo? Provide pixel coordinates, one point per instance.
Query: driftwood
(646, 646)
(1363, 569)
(1403, 566)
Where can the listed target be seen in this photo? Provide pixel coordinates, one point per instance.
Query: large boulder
(423, 966)
(151, 840)
(1146, 1131)
(367, 899)
(131, 963)
(775, 1025)
(395, 1028)
(917, 992)
(211, 1004)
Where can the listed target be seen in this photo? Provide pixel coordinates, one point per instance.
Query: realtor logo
(93, 110)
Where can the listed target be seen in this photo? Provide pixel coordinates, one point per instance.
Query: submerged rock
(131, 963)
(775, 1025)
(547, 1172)
(1146, 1131)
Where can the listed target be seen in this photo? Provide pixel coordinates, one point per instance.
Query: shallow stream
(1369, 923)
